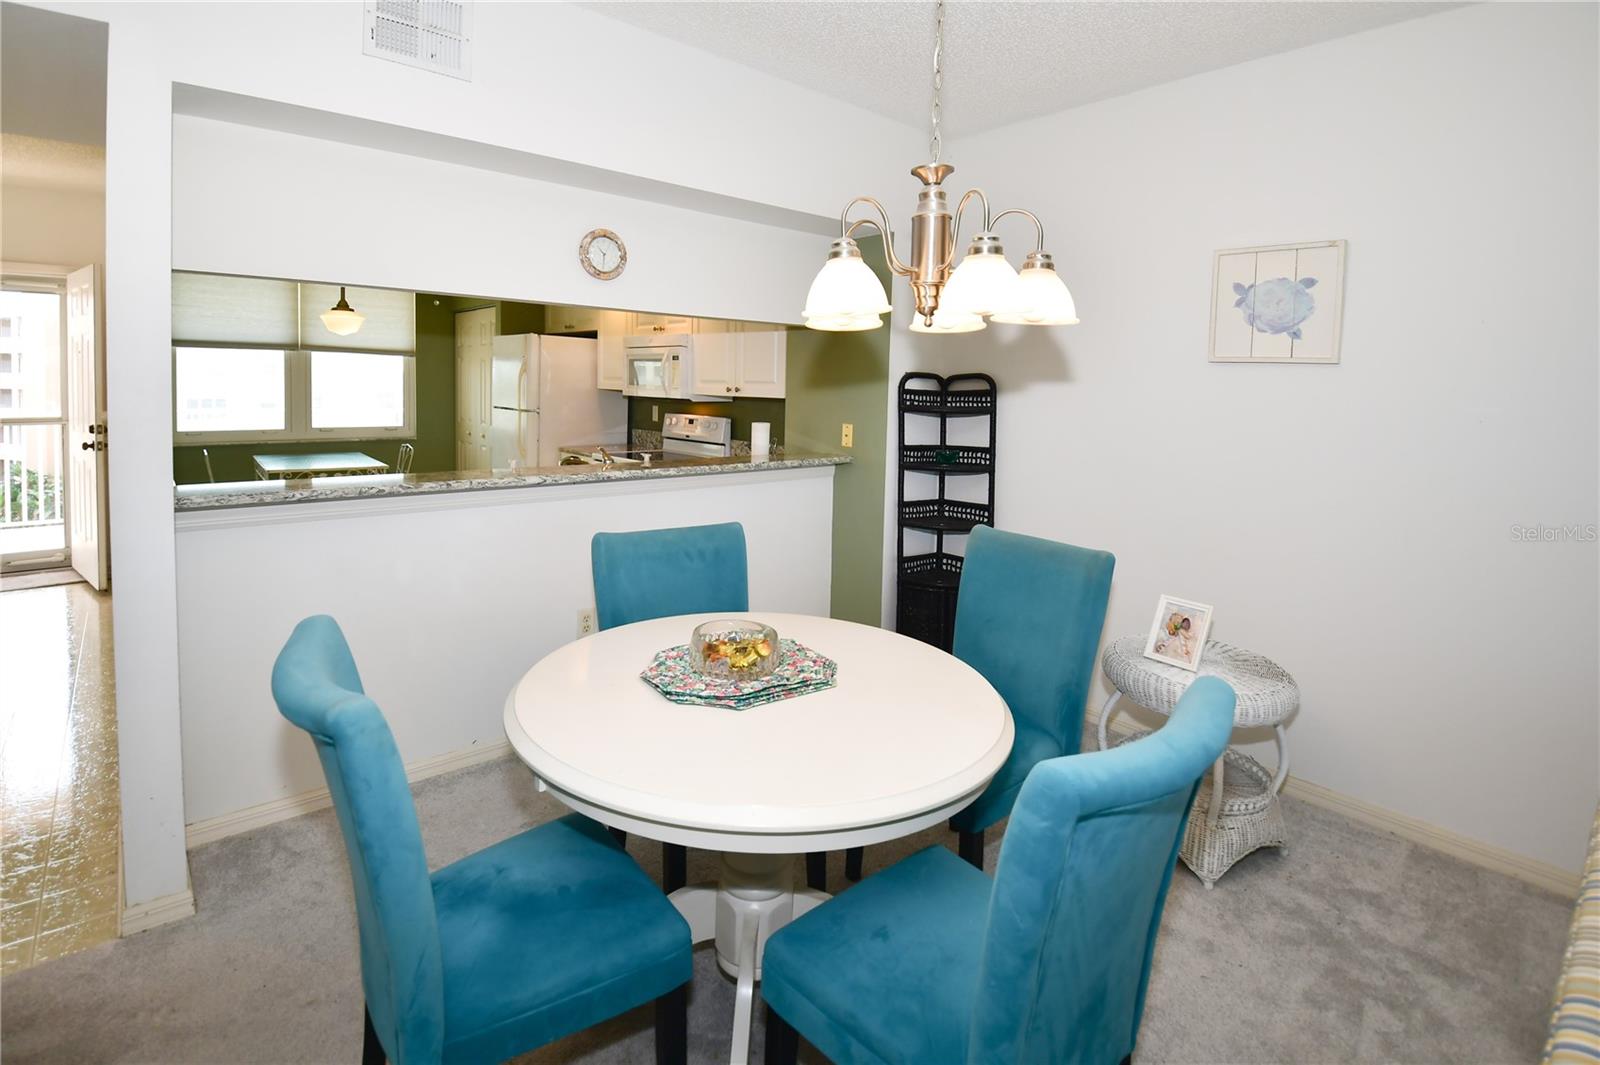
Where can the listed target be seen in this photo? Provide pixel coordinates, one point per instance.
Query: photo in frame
(1178, 632)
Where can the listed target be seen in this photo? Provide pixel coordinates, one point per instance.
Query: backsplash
(650, 440)
(742, 411)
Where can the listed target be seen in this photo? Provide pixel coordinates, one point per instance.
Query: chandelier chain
(935, 142)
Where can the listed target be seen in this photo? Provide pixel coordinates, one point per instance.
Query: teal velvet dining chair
(526, 941)
(1028, 618)
(658, 573)
(1049, 961)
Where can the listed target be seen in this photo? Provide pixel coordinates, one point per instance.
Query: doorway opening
(33, 528)
(59, 777)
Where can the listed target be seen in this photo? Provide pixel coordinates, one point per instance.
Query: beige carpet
(1356, 947)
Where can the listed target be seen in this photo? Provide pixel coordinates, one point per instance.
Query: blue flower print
(1276, 306)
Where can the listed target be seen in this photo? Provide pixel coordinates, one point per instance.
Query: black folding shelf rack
(928, 583)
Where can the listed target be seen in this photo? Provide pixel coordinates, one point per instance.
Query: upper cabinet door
(715, 359)
(763, 361)
(612, 365)
(662, 323)
(560, 319)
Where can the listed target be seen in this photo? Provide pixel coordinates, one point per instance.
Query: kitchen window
(254, 395)
(253, 363)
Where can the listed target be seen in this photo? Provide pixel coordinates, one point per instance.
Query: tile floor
(60, 814)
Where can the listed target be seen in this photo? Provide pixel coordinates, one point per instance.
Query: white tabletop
(908, 736)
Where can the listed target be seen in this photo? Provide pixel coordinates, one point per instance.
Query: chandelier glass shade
(342, 319)
(1044, 296)
(846, 295)
(948, 321)
(950, 298)
(984, 283)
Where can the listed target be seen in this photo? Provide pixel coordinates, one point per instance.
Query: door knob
(98, 445)
(736, 388)
(728, 389)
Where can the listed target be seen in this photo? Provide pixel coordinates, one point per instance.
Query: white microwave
(661, 365)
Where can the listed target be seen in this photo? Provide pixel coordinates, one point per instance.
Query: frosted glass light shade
(947, 321)
(342, 323)
(983, 284)
(845, 323)
(342, 319)
(1043, 299)
(845, 288)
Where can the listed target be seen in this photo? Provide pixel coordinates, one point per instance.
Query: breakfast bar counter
(200, 497)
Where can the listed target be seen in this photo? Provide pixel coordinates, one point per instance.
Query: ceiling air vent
(435, 35)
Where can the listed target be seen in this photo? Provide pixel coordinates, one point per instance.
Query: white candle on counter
(760, 439)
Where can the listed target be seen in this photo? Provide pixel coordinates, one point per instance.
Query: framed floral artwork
(1278, 303)
(1178, 632)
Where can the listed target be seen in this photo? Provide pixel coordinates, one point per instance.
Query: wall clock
(602, 253)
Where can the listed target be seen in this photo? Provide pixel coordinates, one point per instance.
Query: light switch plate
(847, 435)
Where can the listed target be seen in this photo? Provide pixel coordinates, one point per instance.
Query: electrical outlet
(655, 412)
(586, 622)
(847, 435)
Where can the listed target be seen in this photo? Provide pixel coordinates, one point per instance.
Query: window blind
(391, 324)
(248, 311)
(261, 312)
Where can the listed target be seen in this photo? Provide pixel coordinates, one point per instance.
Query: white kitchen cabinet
(644, 324)
(761, 361)
(560, 319)
(715, 358)
(612, 366)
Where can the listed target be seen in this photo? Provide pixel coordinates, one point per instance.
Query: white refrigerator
(543, 396)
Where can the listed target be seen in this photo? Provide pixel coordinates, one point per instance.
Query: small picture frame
(1178, 632)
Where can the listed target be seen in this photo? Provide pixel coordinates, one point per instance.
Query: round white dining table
(908, 736)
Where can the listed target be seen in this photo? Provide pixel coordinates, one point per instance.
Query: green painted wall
(436, 399)
(836, 378)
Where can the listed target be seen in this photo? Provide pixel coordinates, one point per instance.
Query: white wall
(445, 602)
(712, 125)
(1354, 521)
(321, 210)
(61, 227)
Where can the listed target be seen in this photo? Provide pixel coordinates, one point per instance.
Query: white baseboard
(253, 817)
(1487, 856)
(143, 916)
(1484, 855)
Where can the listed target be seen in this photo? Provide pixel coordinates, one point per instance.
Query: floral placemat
(800, 671)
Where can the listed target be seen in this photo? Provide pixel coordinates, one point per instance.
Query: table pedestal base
(753, 898)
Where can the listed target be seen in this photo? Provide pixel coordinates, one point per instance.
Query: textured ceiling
(1002, 61)
(51, 163)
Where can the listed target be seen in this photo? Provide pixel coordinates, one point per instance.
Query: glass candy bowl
(733, 648)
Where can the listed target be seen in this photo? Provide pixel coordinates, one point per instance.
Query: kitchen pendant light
(342, 319)
(949, 298)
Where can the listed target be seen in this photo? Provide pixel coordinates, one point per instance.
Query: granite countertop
(190, 497)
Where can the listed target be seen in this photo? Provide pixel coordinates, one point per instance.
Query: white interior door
(86, 428)
(474, 369)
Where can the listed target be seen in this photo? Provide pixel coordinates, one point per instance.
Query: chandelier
(848, 297)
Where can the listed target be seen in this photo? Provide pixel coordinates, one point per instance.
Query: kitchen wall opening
(273, 380)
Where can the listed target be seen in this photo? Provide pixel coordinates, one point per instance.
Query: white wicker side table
(1240, 798)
